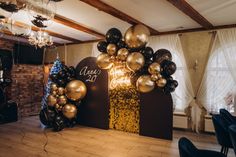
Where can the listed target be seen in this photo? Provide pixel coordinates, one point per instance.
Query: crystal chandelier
(40, 39)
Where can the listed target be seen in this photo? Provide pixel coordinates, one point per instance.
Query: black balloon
(53, 77)
(113, 35)
(62, 74)
(162, 54)
(61, 82)
(168, 67)
(43, 116)
(58, 123)
(102, 46)
(175, 83)
(71, 122)
(72, 71)
(139, 49)
(121, 44)
(148, 52)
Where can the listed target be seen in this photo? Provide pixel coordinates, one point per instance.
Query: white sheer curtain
(183, 94)
(217, 89)
(95, 51)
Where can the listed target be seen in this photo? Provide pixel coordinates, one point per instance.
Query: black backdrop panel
(156, 114)
(6, 58)
(94, 109)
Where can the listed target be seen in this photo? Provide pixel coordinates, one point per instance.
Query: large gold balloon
(51, 100)
(137, 36)
(161, 82)
(60, 91)
(62, 100)
(111, 49)
(69, 111)
(75, 90)
(135, 61)
(154, 68)
(54, 87)
(144, 84)
(122, 54)
(103, 61)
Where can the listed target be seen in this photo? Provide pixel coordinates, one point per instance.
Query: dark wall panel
(156, 114)
(94, 109)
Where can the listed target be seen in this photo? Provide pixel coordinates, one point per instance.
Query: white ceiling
(158, 14)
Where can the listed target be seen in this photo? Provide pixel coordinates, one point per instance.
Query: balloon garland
(62, 103)
(149, 69)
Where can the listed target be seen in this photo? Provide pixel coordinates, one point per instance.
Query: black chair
(229, 119)
(222, 134)
(187, 149)
(232, 133)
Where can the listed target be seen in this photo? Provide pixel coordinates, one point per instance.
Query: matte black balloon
(139, 49)
(43, 117)
(169, 79)
(113, 35)
(102, 46)
(168, 67)
(175, 83)
(148, 52)
(58, 123)
(51, 115)
(121, 44)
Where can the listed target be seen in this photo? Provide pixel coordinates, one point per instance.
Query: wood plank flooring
(26, 138)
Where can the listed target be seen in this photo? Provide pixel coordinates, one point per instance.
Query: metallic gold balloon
(75, 90)
(69, 111)
(51, 100)
(154, 68)
(161, 82)
(122, 54)
(54, 93)
(54, 87)
(58, 107)
(103, 61)
(62, 100)
(135, 61)
(111, 49)
(144, 84)
(137, 36)
(60, 91)
(154, 77)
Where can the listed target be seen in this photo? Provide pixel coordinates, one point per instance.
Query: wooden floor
(26, 138)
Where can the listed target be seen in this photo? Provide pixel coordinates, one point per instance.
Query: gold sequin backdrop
(124, 101)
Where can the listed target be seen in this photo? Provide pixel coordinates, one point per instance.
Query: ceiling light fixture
(40, 39)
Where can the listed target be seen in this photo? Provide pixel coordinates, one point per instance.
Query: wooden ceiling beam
(20, 24)
(70, 23)
(116, 13)
(191, 12)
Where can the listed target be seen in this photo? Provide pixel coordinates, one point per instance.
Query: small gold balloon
(144, 84)
(111, 49)
(154, 77)
(135, 61)
(75, 90)
(103, 61)
(161, 82)
(60, 91)
(69, 111)
(122, 54)
(62, 100)
(154, 68)
(54, 87)
(51, 100)
(159, 76)
(112, 59)
(54, 93)
(58, 107)
(137, 36)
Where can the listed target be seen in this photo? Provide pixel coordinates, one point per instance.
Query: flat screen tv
(25, 54)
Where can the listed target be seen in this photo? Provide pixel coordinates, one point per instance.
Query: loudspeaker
(9, 113)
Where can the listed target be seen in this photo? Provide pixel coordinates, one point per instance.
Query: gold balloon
(69, 111)
(53, 86)
(54, 93)
(144, 84)
(58, 107)
(154, 77)
(51, 100)
(111, 49)
(60, 91)
(137, 36)
(103, 61)
(75, 90)
(154, 68)
(62, 100)
(122, 54)
(161, 82)
(135, 61)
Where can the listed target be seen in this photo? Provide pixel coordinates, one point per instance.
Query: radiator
(208, 124)
(180, 120)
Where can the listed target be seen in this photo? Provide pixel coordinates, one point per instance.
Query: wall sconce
(195, 66)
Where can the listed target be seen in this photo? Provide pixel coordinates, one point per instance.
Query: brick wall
(27, 88)
(6, 45)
